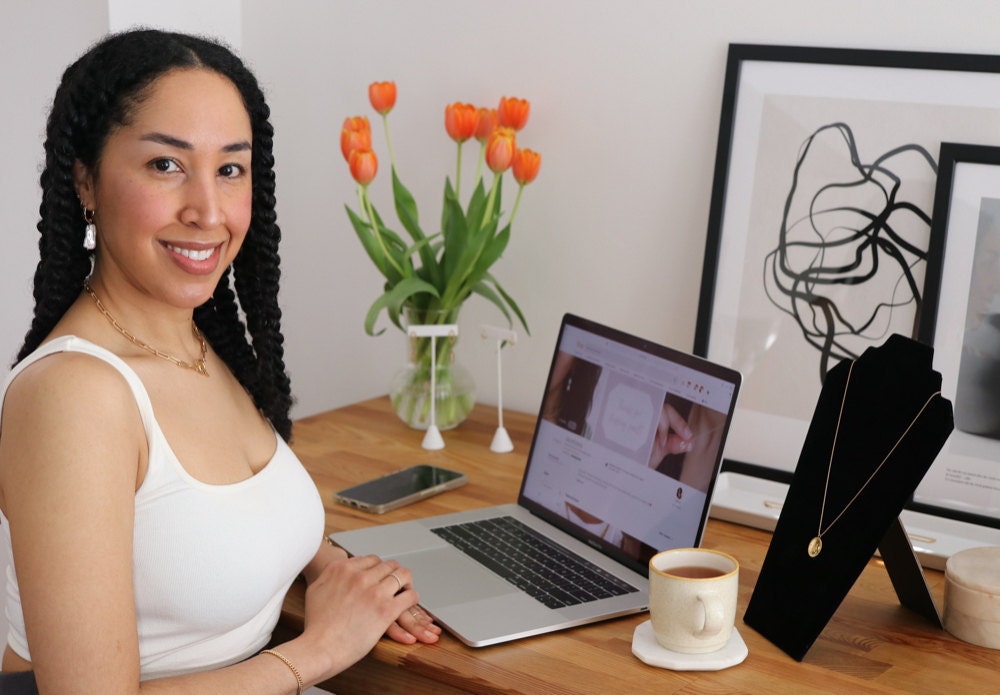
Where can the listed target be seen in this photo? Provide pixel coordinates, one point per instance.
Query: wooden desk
(871, 644)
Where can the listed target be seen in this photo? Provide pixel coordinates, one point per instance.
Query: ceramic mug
(692, 599)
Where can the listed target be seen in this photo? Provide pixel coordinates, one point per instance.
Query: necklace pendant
(815, 546)
(201, 367)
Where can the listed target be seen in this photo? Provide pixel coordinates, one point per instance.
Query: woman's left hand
(414, 625)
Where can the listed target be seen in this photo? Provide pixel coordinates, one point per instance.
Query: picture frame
(819, 234)
(963, 301)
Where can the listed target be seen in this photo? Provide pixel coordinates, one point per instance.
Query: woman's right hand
(352, 602)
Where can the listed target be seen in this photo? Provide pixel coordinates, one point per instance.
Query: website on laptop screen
(627, 444)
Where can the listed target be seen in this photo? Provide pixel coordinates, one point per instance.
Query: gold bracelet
(295, 671)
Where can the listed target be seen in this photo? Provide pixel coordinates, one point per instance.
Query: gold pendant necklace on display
(197, 366)
(816, 544)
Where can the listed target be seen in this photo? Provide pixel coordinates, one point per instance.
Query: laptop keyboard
(533, 563)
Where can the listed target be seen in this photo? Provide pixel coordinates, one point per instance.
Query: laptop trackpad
(445, 576)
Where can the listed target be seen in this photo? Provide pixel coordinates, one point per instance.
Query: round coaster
(648, 650)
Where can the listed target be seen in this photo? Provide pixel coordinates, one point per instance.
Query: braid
(97, 94)
(64, 263)
(219, 320)
(257, 276)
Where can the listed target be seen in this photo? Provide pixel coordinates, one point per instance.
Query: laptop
(607, 484)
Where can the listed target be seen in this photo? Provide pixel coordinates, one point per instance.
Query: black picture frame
(963, 307)
(808, 137)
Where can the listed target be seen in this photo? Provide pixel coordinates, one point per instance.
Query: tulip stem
(491, 198)
(517, 201)
(479, 163)
(366, 203)
(458, 173)
(388, 140)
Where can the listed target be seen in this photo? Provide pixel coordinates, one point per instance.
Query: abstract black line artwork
(847, 225)
(834, 175)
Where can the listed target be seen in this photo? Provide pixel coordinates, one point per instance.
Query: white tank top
(212, 563)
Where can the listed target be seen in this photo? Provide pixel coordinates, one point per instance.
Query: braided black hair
(98, 93)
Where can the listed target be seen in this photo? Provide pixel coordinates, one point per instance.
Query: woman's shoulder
(69, 415)
(68, 371)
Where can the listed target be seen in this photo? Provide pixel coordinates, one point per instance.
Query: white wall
(222, 19)
(625, 108)
(36, 44)
(625, 111)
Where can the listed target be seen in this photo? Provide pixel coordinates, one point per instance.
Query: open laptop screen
(628, 443)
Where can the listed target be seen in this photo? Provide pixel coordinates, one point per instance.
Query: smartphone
(400, 488)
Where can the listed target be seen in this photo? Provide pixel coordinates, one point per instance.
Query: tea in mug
(694, 572)
(692, 599)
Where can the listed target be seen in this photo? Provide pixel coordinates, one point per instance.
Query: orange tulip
(355, 135)
(525, 165)
(382, 95)
(500, 149)
(364, 165)
(460, 121)
(513, 112)
(357, 123)
(487, 122)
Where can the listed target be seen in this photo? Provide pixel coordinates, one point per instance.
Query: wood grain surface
(872, 644)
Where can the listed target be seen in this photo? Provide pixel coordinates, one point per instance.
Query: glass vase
(454, 387)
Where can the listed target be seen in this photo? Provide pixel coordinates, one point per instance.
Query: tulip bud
(460, 121)
(500, 149)
(382, 95)
(525, 166)
(364, 166)
(513, 112)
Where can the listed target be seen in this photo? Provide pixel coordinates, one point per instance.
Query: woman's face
(172, 192)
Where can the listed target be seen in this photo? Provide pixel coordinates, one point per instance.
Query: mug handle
(712, 604)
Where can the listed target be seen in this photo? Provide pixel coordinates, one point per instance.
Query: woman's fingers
(412, 625)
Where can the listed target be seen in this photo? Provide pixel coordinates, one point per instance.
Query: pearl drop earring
(90, 233)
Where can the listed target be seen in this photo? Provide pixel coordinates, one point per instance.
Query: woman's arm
(69, 468)
(70, 454)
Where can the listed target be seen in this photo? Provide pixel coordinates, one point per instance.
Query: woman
(155, 513)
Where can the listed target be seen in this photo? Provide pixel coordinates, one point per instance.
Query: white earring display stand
(432, 438)
(501, 440)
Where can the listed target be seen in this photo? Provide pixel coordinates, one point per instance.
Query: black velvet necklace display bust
(890, 402)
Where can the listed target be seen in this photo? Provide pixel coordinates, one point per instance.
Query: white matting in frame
(814, 145)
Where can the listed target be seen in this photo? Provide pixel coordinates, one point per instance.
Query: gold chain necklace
(816, 544)
(198, 366)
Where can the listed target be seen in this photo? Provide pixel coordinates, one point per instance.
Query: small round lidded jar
(972, 596)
